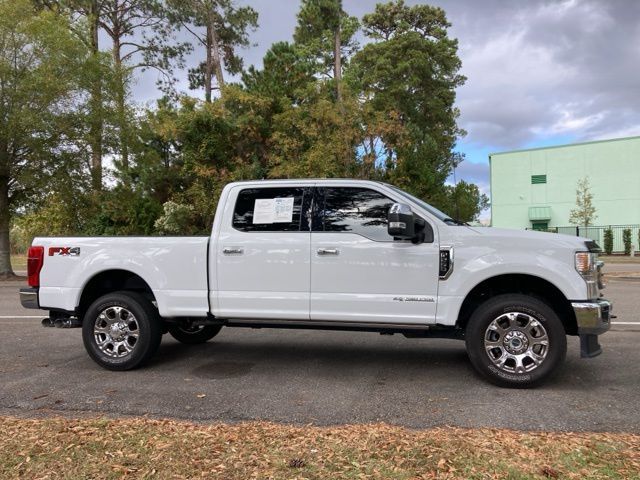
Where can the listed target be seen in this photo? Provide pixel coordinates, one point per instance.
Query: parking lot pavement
(318, 377)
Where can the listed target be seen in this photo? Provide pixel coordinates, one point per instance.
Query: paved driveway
(319, 377)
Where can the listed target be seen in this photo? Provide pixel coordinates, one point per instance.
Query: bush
(626, 239)
(19, 239)
(56, 218)
(608, 241)
(177, 219)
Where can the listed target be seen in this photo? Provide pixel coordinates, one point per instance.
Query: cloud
(549, 68)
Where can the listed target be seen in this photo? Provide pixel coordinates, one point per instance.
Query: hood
(534, 238)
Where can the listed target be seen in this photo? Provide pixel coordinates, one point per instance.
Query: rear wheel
(121, 330)
(515, 340)
(187, 332)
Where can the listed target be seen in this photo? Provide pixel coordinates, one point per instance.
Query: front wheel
(121, 330)
(515, 341)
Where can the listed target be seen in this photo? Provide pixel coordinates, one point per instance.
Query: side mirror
(401, 222)
(404, 225)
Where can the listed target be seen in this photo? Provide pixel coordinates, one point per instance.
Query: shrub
(626, 239)
(608, 241)
(18, 239)
(177, 219)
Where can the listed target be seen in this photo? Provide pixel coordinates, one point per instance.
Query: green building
(536, 188)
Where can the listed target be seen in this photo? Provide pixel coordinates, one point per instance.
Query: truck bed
(175, 268)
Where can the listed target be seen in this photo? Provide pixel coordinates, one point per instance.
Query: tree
(326, 34)
(225, 29)
(608, 241)
(84, 22)
(141, 36)
(585, 213)
(39, 63)
(626, 240)
(411, 67)
(286, 74)
(465, 202)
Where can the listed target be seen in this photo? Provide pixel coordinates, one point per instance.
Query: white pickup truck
(335, 255)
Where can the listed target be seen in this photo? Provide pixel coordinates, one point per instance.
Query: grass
(19, 262)
(143, 448)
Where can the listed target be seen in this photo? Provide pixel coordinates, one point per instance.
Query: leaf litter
(55, 448)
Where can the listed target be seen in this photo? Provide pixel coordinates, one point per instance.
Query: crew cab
(335, 255)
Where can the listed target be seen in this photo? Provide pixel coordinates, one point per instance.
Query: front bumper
(29, 297)
(593, 318)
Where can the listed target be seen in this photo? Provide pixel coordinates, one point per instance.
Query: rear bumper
(29, 297)
(593, 319)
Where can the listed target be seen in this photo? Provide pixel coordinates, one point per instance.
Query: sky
(539, 72)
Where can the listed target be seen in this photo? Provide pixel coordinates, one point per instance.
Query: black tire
(139, 331)
(519, 341)
(193, 334)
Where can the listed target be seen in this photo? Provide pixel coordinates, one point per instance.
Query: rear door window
(270, 210)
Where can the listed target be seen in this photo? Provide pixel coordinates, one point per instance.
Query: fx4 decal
(64, 251)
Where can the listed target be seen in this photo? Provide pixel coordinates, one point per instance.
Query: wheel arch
(525, 284)
(109, 281)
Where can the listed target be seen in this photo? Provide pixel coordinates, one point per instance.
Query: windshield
(432, 210)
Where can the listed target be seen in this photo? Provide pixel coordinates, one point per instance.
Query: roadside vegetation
(81, 156)
(19, 262)
(142, 448)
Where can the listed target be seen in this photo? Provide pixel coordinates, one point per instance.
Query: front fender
(468, 273)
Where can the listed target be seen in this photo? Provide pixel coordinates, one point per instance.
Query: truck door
(263, 254)
(358, 272)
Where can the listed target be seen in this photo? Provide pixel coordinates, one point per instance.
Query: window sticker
(273, 210)
(283, 210)
(263, 211)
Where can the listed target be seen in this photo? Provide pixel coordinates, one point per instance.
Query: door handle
(232, 251)
(328, 251)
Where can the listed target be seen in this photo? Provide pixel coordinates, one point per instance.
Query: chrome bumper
(29, 297)
(593, 318)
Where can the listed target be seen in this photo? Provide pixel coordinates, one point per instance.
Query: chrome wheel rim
(116, 332)
(516, 342)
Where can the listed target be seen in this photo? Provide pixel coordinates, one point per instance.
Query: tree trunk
(337, 64)
(5, 247)
(217, 59)
(208, 72)
(121, 107)
(96, 123)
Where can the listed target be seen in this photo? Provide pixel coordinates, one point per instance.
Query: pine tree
(226, 27)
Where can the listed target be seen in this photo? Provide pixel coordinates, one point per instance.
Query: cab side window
(353, 210)
(269, 210)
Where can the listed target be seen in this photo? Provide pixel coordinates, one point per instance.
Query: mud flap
(589, 346)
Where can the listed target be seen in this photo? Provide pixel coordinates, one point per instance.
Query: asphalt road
(319, 377)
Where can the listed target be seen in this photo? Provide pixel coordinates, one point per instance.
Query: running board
(408, 330)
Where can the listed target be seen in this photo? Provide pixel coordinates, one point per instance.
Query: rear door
(263, 254)
(358, 272)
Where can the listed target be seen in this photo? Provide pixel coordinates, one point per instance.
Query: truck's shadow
(297, 356)
(228, 358)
